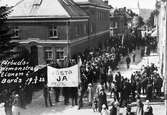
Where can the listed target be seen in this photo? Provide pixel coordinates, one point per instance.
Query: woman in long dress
(139, 110)
(2, 109)
(16, 105)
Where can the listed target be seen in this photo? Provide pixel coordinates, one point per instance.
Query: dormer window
(53, 33)
(37, 2)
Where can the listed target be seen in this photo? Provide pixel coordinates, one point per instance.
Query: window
(48, 54)
(59, 53)
(91, 27)
(16, 32)
(85, 28)
(53, 33)
(77, 29)
(116, 24)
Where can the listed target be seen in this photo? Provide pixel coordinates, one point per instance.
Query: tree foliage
(124, 12)
(6, 43)
(137, 22)
(150, 21)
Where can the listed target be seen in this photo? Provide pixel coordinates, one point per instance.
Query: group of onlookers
(114, 109)
(10, 104)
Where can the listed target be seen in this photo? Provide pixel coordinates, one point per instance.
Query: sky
(149, 4)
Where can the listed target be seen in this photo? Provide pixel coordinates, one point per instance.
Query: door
(34, 55)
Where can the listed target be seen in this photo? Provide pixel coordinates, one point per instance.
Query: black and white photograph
(83, 57)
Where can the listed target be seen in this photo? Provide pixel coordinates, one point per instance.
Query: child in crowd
(95, 106)
(2, 108)
(16, 105)
(104, 110)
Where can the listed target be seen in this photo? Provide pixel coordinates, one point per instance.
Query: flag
(79, 65)
(138, 7)
(79, 61)
(123, 36)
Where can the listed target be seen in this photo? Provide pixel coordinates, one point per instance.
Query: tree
(137, 21)
(141, 22)
(6, 43)
(150, 21)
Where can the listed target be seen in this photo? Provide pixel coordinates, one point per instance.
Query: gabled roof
(72, 9)
(47, 9)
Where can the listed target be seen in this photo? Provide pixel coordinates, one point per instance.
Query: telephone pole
(163, 45)
(164, 2)
(165, 55)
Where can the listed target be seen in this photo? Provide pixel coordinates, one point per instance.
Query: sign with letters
(64, 77)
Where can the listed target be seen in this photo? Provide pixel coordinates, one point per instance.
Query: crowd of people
(10, 104)
(97, 78)
(97, 68)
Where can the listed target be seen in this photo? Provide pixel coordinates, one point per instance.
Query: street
(65, 57)
(37, 106)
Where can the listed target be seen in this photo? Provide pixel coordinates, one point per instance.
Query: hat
(116, 103)
(89, 84)
(16, 95)
(103, 106)
(147, 102)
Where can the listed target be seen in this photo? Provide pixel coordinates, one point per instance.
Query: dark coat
(149, 111)
(113, 111)
(102, 100)
(128, 60)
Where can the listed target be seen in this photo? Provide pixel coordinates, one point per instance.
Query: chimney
(106, 2)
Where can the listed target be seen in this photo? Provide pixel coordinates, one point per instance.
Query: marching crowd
(123, 90)
(96, 79)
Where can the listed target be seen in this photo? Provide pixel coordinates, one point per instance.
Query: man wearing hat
(104, 110)
(102, 99)
(148, 109)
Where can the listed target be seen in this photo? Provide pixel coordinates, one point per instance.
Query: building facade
(54, 29)
(120, 21)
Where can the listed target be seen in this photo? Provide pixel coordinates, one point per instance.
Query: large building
(54, 29)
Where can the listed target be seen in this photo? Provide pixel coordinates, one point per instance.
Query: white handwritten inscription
(14, 71)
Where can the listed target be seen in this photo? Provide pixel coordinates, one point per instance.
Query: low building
(54, 29)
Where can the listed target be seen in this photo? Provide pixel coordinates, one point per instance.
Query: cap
(103, 106)
(147, 101)
(89, 84)
(16, 95)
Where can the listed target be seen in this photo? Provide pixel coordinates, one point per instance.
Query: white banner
(64, 77)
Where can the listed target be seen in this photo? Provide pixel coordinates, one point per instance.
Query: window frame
(52, 29)
(48, 50)
(57, 53)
